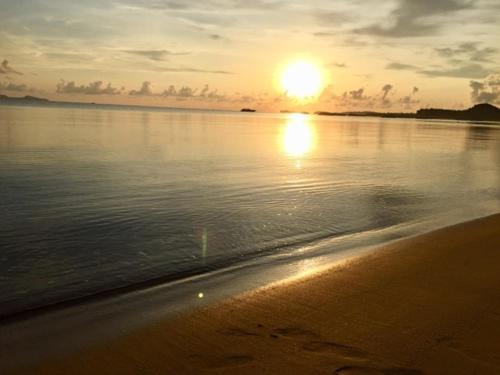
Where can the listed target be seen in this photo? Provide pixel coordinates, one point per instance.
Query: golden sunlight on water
(298, 136)
(200, 190)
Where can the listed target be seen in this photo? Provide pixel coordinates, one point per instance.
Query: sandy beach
(429, 304)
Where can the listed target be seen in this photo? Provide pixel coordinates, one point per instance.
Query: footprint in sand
(221, 362)
(362, 370)
(345, 351)
(237, 332)
(296, 332)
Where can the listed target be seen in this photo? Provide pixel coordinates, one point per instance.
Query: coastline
(425, 304)
(480, 112)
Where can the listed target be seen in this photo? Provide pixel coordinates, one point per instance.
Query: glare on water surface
(298, 136)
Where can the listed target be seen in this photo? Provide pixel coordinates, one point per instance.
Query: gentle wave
(118, 199)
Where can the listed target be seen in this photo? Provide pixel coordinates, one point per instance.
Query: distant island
(479, 112)
(24, 99)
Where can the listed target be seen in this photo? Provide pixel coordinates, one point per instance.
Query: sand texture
(424, 305)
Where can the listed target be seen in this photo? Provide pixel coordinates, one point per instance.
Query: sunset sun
(301, 79)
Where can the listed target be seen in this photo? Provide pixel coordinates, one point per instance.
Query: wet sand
(428, 304)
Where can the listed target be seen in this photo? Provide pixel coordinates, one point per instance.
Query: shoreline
(175, 278)
(347, 245)
(425, 304)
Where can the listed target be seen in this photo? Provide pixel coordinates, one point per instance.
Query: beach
(427, 304)
(250, 187)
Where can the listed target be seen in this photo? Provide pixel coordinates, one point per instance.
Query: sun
(301, 79)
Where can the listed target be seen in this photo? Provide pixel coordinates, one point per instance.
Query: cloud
(207, 13)
(187, 69)
(5, 68)
(476, 87)
(408, 102)
(467, 70)
(159, 4)
(361, 100)
(327, 95)
(194, 5)
(400, 66)
(323, 33)
(60, 22)
(327, 18)
(413, 18)
(487, 91)
(9, 86)
(493, 80)
(386, 89)
(93, 88)
(467, 60)
(469, 51)
(456, 69)
(351, 99)
(182, 93)
(355, 94)
(194, 70)
(354, 42)
(155, 54)
(145, 90)
(70, 57)
(206, 93)
(337, 65)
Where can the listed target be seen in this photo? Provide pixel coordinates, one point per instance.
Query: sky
(389, 55)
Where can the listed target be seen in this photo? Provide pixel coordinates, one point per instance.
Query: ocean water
(99, 198)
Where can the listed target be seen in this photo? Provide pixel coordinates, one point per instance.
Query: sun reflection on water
(298, 137)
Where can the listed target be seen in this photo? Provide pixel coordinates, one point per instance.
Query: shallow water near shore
(95, 199)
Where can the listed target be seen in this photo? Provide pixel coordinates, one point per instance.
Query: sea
(100, 199)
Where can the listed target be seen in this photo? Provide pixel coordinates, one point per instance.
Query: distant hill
(23, 99)
(480, 112)
(35, 101)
